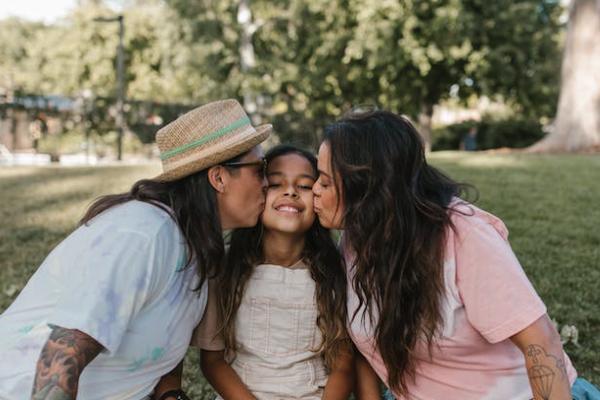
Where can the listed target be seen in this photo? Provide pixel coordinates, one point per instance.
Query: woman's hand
(169, 381)
(222, 376)
(341, 378)
(367, 381)
(544, 360)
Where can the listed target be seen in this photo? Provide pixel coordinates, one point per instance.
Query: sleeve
(206, 335)
(110, 278)
(499, 299)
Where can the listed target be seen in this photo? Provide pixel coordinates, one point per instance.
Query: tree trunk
(577, 123)
(247, 57)
(12, 115)
(425, 117)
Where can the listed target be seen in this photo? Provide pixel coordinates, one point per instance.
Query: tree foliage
(315, 59)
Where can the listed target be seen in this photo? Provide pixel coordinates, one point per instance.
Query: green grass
(549, 203)
(551, 207)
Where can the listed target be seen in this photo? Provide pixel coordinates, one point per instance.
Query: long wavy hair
(320, 254)
(192, 203)
(396, 213)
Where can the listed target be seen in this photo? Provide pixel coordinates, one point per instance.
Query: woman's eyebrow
(324, 173)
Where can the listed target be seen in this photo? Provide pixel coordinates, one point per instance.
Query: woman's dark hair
(396, 213)
(192, 202)
(320, 254)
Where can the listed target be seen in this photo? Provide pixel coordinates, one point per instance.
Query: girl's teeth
(288, 209)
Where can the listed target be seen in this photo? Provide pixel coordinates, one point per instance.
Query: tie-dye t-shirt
(488, 299)
(120, 279)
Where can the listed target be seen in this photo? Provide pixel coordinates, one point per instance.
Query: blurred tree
(426, 51)
(76, 57)
(303, 62)
(517, 45)
(300, 46)
(316, 58)
(17, 37)
(577, 123)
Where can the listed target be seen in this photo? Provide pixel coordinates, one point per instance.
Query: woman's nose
(316, 189)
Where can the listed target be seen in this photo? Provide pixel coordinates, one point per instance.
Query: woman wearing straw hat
(112, 308)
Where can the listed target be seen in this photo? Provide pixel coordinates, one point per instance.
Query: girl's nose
(291, 191)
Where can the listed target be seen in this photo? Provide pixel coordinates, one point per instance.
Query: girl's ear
(217, 178)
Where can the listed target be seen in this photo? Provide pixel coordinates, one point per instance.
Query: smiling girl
(275, 326)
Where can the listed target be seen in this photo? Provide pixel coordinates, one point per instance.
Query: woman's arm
(222, 377)
(62, 360)
(544, 360)
(341, 378)
(169, 381)
(367, 381)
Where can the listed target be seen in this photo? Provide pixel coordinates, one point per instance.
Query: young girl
(275, 324)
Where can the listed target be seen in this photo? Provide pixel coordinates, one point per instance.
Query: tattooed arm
(544, 360)
(63, 358)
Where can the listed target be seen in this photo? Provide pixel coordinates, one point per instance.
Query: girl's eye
(273, 185)
(305, 187)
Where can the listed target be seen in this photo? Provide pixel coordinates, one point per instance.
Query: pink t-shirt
(488, 299)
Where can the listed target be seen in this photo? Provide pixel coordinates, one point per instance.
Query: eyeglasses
(262, 163)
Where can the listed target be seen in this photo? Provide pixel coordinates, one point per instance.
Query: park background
(82, 95)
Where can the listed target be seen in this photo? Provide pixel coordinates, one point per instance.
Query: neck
(282, 248)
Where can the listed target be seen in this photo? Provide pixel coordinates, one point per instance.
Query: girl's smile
(288, 207)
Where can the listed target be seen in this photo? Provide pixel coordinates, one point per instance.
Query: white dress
(277, 333)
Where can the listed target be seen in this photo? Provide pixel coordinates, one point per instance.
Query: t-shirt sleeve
(110, 280)
(499, 299)
(206, 335)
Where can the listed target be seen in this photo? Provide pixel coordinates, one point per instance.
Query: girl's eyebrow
(300, 176)
(324, 173)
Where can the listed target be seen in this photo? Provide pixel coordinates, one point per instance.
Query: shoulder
(468, 219)
(135, 217)
(134, 223)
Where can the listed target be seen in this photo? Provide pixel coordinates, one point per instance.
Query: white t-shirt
(121, 280)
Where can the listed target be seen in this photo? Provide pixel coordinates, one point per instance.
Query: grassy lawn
(546, 201)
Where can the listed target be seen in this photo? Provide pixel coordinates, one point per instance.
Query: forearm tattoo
(545, 371)
(63, 358)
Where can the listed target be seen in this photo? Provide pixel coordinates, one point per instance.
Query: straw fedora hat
(206, 136)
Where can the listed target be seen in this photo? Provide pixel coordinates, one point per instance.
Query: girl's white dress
(277, 333)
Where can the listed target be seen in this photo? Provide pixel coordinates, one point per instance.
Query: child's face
(289, 203)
